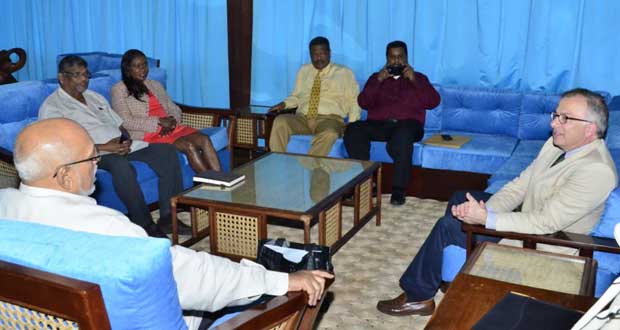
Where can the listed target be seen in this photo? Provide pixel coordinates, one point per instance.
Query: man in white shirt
(57, 160)
(92, 111)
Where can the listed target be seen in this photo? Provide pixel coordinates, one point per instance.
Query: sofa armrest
(7, 167)
(288, 311)
(584, 243)
(199, 117)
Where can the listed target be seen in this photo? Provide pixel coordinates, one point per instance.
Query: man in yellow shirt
(325, 93)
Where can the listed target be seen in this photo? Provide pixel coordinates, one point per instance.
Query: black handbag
(318, 257)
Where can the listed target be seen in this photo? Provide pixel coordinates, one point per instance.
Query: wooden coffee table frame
(255, 217)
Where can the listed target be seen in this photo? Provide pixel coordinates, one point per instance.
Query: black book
(519, 312)
(219, 178)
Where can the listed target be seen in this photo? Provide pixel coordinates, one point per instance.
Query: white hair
(35, 164)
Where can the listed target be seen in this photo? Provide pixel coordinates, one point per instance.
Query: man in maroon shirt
(396, 98)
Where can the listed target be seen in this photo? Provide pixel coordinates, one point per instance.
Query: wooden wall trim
(239, 14)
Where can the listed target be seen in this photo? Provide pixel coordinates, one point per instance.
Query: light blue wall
(189, 37)
(550, 45)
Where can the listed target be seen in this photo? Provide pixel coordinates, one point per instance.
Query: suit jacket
(135, 112)
(569, 196)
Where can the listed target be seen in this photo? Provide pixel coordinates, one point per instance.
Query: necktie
(559, 160)
(313, 104)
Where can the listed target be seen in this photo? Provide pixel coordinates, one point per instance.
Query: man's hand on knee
(310, 281)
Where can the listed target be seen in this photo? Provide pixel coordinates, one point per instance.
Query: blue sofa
(19, 106)
(507, 129)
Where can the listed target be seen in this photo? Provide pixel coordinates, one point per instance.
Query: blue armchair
(600, 245)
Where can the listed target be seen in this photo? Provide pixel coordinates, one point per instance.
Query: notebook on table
(219, 178)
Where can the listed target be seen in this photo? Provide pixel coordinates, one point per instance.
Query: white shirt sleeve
(207, 282)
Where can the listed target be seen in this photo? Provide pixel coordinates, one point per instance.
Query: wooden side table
(495, 270)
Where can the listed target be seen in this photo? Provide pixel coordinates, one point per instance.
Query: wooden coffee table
(291, 187)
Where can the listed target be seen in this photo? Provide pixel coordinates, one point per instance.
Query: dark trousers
(422, 278)
(400, 136)
(162, 158)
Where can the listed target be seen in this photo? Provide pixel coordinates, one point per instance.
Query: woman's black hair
(135, 88)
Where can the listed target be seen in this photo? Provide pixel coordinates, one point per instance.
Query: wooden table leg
(378, 214)
(175, 225)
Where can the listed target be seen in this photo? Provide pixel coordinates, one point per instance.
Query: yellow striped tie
(313, 104)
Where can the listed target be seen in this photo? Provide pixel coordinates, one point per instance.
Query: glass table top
(286, 182)
(530, 268)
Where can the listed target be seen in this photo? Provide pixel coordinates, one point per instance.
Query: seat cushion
(611, 216)
(511, 169)
(218, 136)
(300, 144)
(134, 274)
(9, 131)
(105, 194)
(482, 154)
(452, 262)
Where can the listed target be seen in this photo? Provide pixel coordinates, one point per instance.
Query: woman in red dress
(149, 114)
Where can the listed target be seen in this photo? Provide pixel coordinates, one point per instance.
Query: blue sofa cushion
(484, 111)
(98, 82)
(613, 130)
(511, 168)
(134, 274)
(528, 148)
(21, 100)
(105, 194)
(154, 74)
(92, 58)
(534, 122)
(218, 136)
(300, 144)
(113, 61)
(9, 131)
(608, 270)
(482, 154)
(611, 216)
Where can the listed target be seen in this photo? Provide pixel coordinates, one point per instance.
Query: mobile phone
(446, 137)
(124, 137)
(395, 70)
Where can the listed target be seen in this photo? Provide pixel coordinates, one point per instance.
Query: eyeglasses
(564, 118)
(95, 159)
(74, 75)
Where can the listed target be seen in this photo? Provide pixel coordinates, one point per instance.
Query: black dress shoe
(165, 223)
(153, 230)
(399, 306)
(398, 198)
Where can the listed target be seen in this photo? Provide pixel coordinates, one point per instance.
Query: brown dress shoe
(400, 307)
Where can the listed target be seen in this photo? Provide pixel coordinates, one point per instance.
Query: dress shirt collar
(323, 71)
(45, 192)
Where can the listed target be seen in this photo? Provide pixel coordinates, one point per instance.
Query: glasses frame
(95, 159)
(75, 75)
(559, 116)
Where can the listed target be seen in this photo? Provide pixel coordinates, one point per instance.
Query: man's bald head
(44, 145)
